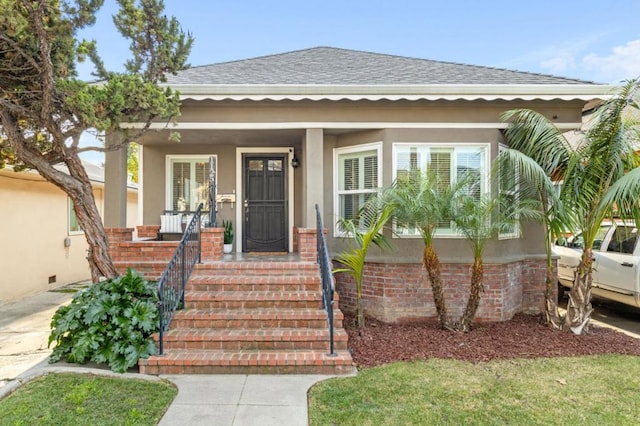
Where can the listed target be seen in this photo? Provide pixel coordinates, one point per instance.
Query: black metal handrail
(176, 274)
(328, 286)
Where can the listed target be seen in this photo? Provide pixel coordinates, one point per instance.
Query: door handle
(627, 264)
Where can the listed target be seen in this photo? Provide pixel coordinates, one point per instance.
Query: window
(449, 163)
(623, 240)
(508, 187)
(188, 182)
(72, 223)
(358, 175)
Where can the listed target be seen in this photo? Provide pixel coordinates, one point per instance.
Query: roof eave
(257, 92)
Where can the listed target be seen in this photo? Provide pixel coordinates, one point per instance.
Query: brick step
(254, 318)
(254, 283)
(256, 268)
(254, 339)
(248, 362)
(252, 299)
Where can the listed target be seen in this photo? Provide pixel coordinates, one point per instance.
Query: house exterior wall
(371, 111)
(450, 249)
(155, 177)
(34, 227)
(397, 288)
(249, 116)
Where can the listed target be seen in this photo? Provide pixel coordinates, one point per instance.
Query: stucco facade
(227, 145)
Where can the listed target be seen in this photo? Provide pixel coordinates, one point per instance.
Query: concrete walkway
(237, 400)
(24, 331)
(259, 400)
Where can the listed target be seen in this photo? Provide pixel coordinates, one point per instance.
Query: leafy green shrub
(108, 322)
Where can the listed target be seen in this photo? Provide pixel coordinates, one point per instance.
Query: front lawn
(84, 399)
(588, 390)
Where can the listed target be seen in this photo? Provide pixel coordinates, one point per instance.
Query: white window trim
(70, 211)
(455, 145)
(377, 146)
(168, 159)
(516, 233)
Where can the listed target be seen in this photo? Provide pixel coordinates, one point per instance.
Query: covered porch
(264, 181)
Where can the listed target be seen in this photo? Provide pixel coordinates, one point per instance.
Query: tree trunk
(477, 273)
(432, 265)
(84, 205)
(359, 310)
(579, 308)
(552, 315)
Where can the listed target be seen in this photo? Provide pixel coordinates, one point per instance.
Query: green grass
(84, 399)
(595, 390)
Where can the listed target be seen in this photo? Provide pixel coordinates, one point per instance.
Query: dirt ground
(525, 336)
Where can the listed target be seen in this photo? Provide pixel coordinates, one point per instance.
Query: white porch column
(115, 184)
(313, 171)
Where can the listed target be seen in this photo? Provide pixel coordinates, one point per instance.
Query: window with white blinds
(358, 175)
(449, 163)
(188, 183)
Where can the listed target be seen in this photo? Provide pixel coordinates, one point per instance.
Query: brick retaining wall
(394, 292)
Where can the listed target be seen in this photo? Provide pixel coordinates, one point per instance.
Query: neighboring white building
(42, 246)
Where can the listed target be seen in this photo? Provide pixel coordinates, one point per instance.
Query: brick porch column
(212, 241)
(115, 236)
(148, 231)
(118, 235)
(307, 244)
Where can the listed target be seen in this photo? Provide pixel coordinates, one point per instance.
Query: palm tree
(481, 219)
(421, 201)
(597, 175)
(365, 229)
(530, 182)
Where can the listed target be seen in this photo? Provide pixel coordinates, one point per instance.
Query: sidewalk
(24, 331)
(234, 400)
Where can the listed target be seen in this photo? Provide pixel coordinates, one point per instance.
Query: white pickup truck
(616, 262)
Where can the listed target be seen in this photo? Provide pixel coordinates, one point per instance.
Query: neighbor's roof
(94, 171)
(332, 73)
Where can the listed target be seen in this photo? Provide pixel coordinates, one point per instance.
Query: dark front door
(265, 203)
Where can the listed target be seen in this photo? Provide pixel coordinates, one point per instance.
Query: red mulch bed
(524, 336)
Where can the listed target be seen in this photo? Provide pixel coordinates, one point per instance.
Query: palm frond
(624, 194)
(534, 135)
(533, 189)
(422, 200)
(609, 154)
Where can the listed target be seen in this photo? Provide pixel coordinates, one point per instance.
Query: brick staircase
(252, 318)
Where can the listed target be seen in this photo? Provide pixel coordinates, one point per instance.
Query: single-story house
(43, 247)
(327, 126)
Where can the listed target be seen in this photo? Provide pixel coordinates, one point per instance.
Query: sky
(592, 40)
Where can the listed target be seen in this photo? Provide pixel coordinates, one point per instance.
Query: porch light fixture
(295, 163)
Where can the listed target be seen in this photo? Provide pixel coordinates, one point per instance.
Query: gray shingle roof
(333, 66)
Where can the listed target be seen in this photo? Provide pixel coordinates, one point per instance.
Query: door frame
(240, 151)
